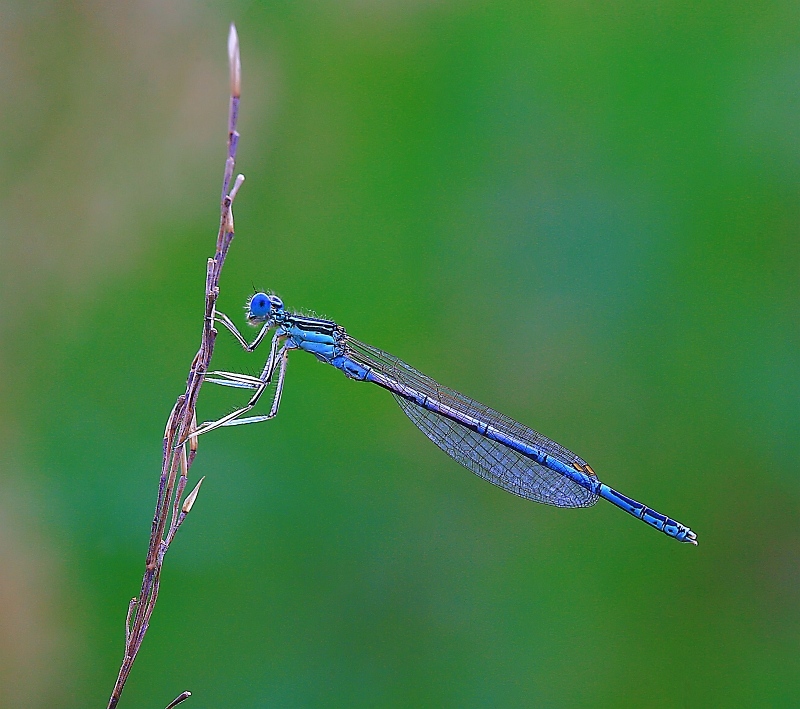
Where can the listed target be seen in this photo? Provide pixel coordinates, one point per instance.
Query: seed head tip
(234, 61)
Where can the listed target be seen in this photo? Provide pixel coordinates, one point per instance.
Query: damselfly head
(261, 306)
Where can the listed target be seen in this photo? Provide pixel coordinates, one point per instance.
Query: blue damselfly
(490, 444)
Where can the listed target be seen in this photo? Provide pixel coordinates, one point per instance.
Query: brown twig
(179, 446)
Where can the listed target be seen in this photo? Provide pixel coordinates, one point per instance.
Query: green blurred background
(583, 214)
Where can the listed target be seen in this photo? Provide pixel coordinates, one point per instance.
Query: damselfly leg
(249, 347)
(243, 381)
(276, 358)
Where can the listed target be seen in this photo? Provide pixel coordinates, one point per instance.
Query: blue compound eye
(259, 305)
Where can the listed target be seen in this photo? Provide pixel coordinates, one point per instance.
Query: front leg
(228, 323)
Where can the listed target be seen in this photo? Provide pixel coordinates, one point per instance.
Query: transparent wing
(493, 461)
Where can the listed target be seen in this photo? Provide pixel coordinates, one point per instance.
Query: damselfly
(490, 444)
